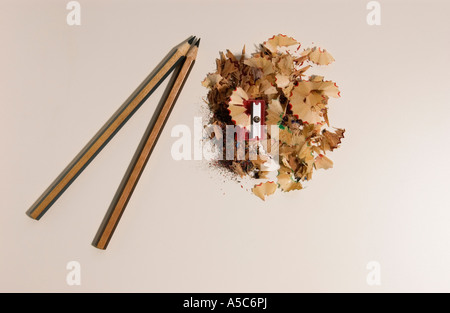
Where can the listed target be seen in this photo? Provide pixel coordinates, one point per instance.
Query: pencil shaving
(296, 102)
(264, 189)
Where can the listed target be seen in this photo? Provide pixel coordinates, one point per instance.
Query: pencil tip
(191, 39)
(198, 42)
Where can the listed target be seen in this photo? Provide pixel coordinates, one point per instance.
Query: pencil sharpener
(257, 109)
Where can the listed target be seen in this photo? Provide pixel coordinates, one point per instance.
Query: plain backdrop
(187, 227)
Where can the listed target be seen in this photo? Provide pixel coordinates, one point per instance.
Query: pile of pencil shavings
(296, 102)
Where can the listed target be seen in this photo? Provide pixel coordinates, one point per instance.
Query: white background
(187, 228)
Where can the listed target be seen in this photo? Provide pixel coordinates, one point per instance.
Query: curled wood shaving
(264, 189)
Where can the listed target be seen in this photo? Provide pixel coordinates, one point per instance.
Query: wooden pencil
(143, 152)
(107, 132)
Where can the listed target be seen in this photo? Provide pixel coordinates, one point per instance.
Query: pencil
(143, 152)
(107, 132)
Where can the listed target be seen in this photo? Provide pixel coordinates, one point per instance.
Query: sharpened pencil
(143, 153)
